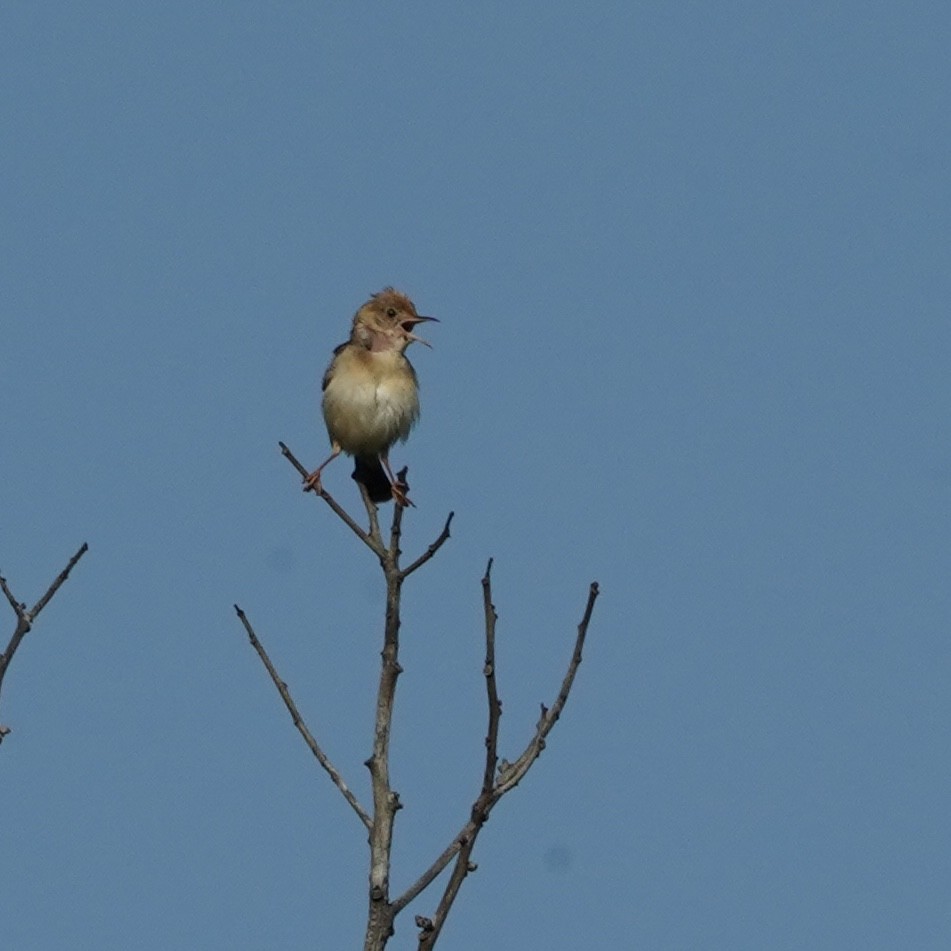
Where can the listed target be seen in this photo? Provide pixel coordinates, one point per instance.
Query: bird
(371, 394)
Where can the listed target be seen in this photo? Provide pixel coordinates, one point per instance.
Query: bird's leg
(399, 488)
(313, 480)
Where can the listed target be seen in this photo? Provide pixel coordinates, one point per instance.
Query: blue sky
(692, 266)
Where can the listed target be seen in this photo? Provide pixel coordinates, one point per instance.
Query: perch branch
(371, 539)
(396, 529)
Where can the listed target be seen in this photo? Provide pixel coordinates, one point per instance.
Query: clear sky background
(692, 266)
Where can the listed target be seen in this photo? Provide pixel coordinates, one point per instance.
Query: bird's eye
(391, 312)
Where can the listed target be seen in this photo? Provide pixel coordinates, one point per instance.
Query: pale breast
(370, 401)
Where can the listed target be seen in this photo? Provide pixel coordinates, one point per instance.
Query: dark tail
(370, 473)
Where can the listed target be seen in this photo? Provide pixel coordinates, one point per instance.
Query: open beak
(411, 322)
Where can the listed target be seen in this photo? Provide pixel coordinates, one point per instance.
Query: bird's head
(386, 322)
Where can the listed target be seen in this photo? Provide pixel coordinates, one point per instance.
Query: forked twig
(493, 789)
(510, 774)
(25, 618)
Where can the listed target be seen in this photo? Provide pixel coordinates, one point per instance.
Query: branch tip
(27, 617)
(433, 548)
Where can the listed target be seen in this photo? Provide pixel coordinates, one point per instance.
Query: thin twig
(486, 799)
(372, 517)
(338, 510)
(510, 774)
(60, 578)
(432, 873)
(396, 528)
(321, 756)
(464, 865)
(26, 618)
(433, 548)
(491, 688)
(18, 607)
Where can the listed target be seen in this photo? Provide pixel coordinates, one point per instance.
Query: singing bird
(371, 395)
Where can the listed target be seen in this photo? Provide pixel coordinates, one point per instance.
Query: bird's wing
(328, 373)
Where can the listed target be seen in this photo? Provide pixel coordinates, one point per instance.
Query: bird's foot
(400, 497)
(312, 482)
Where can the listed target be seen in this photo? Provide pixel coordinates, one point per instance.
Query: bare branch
(396, 528)
(464, 865)
(368, 539)
(511, 774)
(57, 583)
(26, 618)
(491, 689)
(18, 607)
(487, 798)
(497, 778)
(465, 840)
(433, 548)
(463, 844)
(320, 755)
(375, 534)
(386, 802)
(432, 873)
